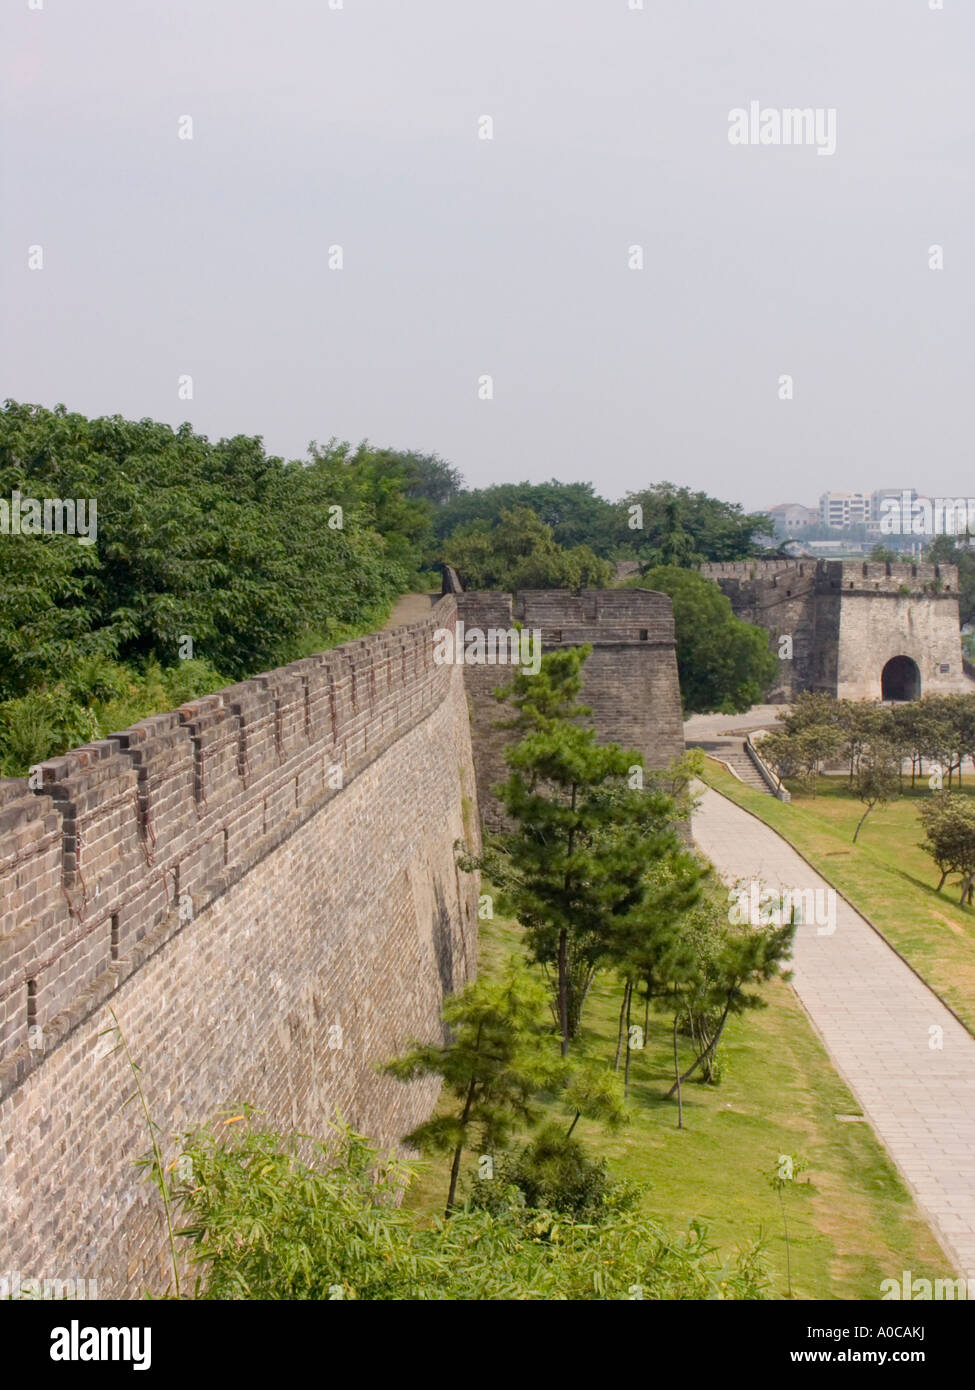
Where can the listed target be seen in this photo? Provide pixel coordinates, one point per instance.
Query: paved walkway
(878, 1021)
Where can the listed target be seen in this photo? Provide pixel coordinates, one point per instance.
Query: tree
(723, 663)
(727, 979)
(810, 707)
(862, 723)
(653, 945)
(783, 1176)
(908, 733)
(944, 726)
(679, 526)
(221, 541)
(573, 511)
(801, 753)
(519, 551)
(945, 550)
(948, 820)
(431, 478)
(593, 1091)
(575, 860)
(877, 778)
(495, 1063)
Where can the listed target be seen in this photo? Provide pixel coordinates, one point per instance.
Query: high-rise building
(844, 508)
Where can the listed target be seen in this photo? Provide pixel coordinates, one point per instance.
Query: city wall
(262, 887)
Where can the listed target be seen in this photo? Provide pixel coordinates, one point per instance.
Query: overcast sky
(465, 257)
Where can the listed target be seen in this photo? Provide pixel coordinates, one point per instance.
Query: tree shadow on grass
(931, 891)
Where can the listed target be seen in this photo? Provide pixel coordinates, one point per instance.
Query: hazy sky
(358, 127)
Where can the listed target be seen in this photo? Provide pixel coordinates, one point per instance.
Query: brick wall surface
(234, 879)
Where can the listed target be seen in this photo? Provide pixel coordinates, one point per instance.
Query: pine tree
(499, 1056)
(574, 862)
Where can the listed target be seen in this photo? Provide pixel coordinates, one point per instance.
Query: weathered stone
(847, 619)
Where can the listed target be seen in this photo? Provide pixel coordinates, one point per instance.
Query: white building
(844, 509)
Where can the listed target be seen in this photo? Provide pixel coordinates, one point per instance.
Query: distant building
(841, 509)
(793, 518)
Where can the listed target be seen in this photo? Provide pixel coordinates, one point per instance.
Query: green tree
(780, 1178)
(727, 980)
(258, 559)
(723, 663)
(679, 526)
(519, 551)
(431, 478)
(575, 861)
(945, 550)
(573, 511)
(862, 723)
(877, 778)
(495, 1063)
(948, 820)
(800, 752)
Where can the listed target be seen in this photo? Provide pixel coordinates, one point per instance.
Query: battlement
(604, 617)
(863, 575)
(756, 569)
(893, 577)
(128, 839)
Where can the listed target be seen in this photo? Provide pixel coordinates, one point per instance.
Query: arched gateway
(900, 679)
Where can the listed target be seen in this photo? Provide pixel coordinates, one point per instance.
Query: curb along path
(878, 1022)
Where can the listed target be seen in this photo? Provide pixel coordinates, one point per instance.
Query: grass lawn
(852, 1225)
(885, 874)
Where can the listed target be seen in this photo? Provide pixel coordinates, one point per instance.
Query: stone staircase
(741, 764)
(732, 751)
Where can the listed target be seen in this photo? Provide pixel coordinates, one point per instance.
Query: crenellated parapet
(110, 850)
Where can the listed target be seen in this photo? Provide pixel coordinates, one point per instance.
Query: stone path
(879, 1022)
(409, 608)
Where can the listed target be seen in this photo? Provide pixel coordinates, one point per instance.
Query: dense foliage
(217, 551)
(723, 662)
(519, 551)
(277, 1217)
(945, 550)
(659, 524)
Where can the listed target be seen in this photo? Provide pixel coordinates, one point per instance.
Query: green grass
(852, 1225)
(886, 875)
